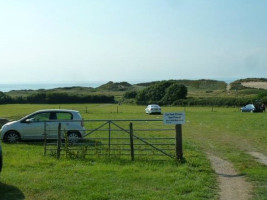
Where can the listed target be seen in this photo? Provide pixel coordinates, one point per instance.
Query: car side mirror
(29, 120)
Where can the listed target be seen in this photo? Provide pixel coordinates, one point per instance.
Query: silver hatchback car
(43, 123)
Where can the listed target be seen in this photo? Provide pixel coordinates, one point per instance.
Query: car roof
(49, 110)
(55, 110)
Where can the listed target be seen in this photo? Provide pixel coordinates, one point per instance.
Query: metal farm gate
(149, 139)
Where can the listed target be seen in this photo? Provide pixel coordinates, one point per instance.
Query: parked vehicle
(253, 108)
(248, 108)
(153, 109)
(1, 158)
(35, 125)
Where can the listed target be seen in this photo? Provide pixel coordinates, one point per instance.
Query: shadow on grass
(230, 175)
(9, 192)
(82, 142)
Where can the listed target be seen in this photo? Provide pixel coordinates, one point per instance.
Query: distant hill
(121, 86)
(72, 90)
(196, 88)
(202, 84)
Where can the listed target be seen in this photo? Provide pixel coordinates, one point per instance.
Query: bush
(262, 94)
(5, 98)
(216, 101)
(164, 92)
(174, 92)
(130, 95)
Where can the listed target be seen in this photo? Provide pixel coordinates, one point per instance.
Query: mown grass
(27, 174)
(231, 134)
(225, 132)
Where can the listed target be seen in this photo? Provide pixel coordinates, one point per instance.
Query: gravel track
(233, 186)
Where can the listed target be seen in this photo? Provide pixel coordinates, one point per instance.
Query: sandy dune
(262, 85)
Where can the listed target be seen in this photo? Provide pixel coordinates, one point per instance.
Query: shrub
(164, 92)
(130, 95)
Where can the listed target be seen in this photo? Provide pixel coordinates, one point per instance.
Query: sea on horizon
(37, 86)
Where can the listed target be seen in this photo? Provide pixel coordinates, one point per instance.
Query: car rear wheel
(11, 137)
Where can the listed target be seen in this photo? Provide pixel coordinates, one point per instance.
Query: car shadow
(10, 192)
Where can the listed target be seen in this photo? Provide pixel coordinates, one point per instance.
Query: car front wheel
(74, 137)
(11, 137)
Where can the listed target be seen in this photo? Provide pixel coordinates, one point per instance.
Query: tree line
(54, 98)
(163, 93)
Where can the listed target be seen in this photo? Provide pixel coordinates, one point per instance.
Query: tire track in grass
(261, 158)
(233, 186)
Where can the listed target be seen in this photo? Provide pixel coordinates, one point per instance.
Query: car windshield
(250, 106)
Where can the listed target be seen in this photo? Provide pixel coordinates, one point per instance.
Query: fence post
(45, 138)
(59, 141)
(109, 137)
(131, 141)
(179, 144)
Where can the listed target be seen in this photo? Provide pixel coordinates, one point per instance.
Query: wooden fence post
(131, 141)
(59, 141)
(45, 138)
(179, 144)
(109, 137)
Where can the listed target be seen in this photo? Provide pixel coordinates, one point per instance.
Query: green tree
(130, 94)
(164, 92)
(173, 93)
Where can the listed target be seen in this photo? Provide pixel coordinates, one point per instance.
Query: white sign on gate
(174, 118)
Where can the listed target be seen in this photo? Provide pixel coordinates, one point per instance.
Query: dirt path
(228, 87)
(259, 157)
(233, 186)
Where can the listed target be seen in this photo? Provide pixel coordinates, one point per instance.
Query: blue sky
(140, 40)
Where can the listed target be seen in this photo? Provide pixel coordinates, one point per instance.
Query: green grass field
(225, 132)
